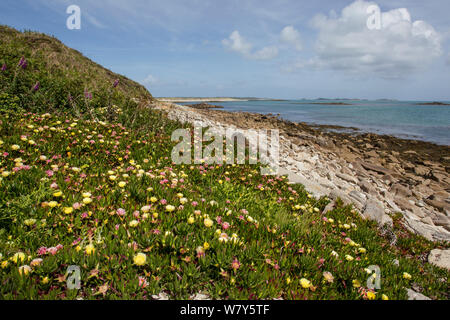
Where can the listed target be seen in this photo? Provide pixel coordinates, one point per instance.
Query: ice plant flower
(235, 264)
(89, 249)
(170, 208)
(18, 256)
(328, 277)
(208, 222)
(24, 270)
(140, 259)
(305, 283)
(407, 276)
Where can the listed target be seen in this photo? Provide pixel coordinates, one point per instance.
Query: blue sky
(262, 48)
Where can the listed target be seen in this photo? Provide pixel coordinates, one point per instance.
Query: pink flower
(117, 226)
(121, 212)
(136, 214)
(163, 201)
(219, 219)
(76, 205)
(194, 203)
(143, 282)
(54, 185)
(225, 225)
(41, 251)
(49, 173)
(59, 246)
(52, 250)
(84, 215)
(235, 264)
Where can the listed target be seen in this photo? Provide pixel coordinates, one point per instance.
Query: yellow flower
(328, 276)
(4, 264)
(145, 209)
(112, 178)
(68, 210)
(57, 194)
(170, 208)
(87, 200)
(153, 199)
(288, 280)
(155, 215)
(206, 245)
(384, 297)
(191, 220)
(24, 270)
(78, 248)
(362, 250)
(407, 276)
(305, 283)
(86, 194)
(356, 283)
(29, 222)
(183, 200)
(208, 222)
(140, 259)
(45, 280)
(133, 223)
(90, 249)
(348, 257)
(371, 295)
(122, 184)
(18, 256)
(52, 204)
(15, 147)
(5, 174)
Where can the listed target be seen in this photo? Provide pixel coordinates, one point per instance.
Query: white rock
(440, 258)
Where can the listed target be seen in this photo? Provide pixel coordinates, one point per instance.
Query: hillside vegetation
(83, 187)
(41, 73)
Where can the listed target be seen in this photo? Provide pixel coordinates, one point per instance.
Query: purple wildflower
(4, 67)
(116, 82)
(87, 95)
(23, 63)
(36, 86)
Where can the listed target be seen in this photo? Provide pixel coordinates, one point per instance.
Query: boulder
(400, 190)
(374, 211)
(412, 295)
(440, 258)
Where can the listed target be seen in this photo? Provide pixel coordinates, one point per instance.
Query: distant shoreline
(211, 99)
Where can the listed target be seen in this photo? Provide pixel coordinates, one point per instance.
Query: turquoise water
(403, 119)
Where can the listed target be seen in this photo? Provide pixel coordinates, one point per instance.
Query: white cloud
(266, 53)
(292, 37)
(399, 47)
(150, 80)
(235, 42)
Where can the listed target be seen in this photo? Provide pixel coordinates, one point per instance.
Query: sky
(287, 49)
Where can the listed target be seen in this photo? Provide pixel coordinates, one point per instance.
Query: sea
(403, 119)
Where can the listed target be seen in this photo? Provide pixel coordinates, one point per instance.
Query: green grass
(74, 191)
